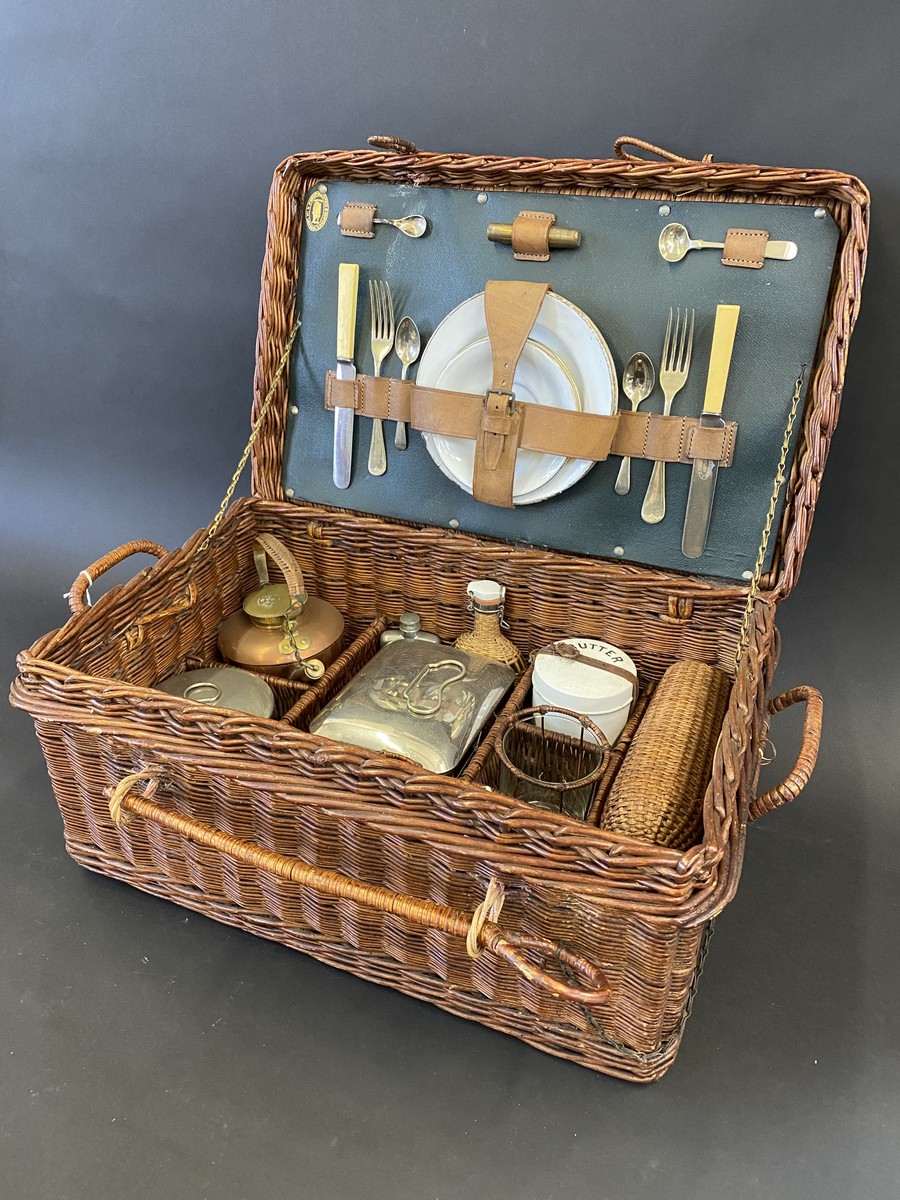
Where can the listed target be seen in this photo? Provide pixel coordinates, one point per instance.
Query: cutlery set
(558, 374)
(638, 381)
(382, 342)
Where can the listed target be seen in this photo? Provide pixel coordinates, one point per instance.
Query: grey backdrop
(151, 1054)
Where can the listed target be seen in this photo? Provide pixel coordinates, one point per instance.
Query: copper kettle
(280, 629)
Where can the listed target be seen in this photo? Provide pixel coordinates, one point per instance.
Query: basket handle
(593, 987)
(798, 777)
(90, 575)
(393, 145)
(268, 543)
(620, 144)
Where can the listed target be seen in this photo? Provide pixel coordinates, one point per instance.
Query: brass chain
(254, 433)
(780, 478)
(312, 668)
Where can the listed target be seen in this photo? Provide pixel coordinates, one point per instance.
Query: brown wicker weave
(658, 794)
(364, 860)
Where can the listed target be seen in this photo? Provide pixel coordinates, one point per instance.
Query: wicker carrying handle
(798, 777)
(483, 932)
(91, 574)
(269, 544)
(621, 143)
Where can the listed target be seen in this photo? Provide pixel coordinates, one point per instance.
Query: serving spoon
(675, 242)
(638, 381)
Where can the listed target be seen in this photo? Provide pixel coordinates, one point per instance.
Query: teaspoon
(413, 226)
(638, 381)
(675, 242)
(406, 347)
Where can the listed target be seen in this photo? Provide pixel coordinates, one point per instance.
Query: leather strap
(357, 220)
(672, 439)
(551, 430)
(531, 235)
(745, 248)
(510, 310)
(573, 654)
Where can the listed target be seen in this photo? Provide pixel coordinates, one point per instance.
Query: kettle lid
(268, 604)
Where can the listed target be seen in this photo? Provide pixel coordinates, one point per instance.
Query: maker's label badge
(316, 209)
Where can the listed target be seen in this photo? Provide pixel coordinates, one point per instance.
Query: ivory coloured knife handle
(720, 357)
(705, 471)
(348, 287)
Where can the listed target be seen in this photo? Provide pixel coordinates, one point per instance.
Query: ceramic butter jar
(586, 676)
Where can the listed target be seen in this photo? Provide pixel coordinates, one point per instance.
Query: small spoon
(407, 347)
(638, 381)
(413, 226)
(675, 242)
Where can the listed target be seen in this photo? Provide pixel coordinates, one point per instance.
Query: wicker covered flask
(486, 636)
(658, 793)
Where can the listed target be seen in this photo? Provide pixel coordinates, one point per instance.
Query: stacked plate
(565, 364)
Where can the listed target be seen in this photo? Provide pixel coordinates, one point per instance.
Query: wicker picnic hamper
(585, 943)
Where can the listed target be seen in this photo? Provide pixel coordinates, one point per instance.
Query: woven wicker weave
(658, 794)
(364, 860)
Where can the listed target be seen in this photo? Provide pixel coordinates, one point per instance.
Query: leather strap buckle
(510, 399)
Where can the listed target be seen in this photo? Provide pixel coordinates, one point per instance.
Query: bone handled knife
(348, 286)
(705, 470)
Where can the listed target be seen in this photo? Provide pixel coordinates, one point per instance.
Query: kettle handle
(268, 543)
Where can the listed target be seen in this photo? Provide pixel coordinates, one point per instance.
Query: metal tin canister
(223, 687)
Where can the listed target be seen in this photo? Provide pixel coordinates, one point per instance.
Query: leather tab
(357, 220)
(672, 439)
(745, 248)
(531, 236)
(496, 447)
(510, 310)
(711, 444)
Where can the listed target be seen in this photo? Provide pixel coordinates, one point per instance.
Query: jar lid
(223, 687)
(580, 686)
(486, 592)
(267, 604)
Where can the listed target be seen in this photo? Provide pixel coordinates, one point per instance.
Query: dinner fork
(381, 304)
(673, 373)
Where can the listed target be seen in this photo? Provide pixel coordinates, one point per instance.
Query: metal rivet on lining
(481, 197)
(664, 210)
(820, 213)
(746, 574)
(289, 491)
(323, 188)
(294, 410)
(619, 551)
(454, 524)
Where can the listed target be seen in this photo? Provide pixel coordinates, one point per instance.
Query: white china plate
(561, 328)
(541, 378)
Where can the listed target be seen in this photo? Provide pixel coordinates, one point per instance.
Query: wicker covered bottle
(486, 636)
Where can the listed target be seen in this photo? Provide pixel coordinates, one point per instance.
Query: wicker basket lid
(823, 199)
